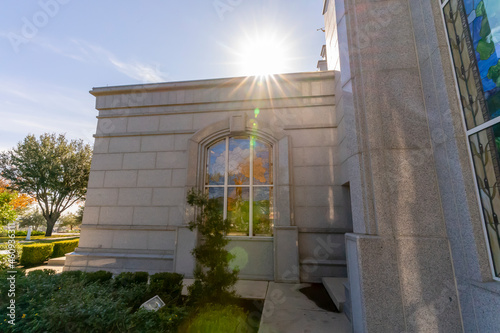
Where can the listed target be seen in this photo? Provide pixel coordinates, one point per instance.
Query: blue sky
(52, 52)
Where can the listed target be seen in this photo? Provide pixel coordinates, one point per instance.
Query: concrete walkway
(287, 309)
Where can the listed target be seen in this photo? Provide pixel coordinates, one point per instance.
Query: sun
(263, 55)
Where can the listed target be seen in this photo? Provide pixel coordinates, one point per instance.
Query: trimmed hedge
(20, 233)
(63, 247)
(36, 254)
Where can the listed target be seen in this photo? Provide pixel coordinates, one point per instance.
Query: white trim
(471, 159)
(250, 202)
(226, 178)
(483, 126)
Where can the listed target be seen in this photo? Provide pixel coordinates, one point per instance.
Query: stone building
(383, 168)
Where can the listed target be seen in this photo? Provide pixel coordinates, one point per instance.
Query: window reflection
(216, 164)
(239, 161)
(239, 180)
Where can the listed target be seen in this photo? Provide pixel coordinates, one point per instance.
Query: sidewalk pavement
(287, 309)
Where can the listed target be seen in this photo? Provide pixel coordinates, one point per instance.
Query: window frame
(250, 185)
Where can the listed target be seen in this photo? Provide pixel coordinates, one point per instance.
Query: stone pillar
(399, 262)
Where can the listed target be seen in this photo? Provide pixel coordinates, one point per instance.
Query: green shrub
(166, 285)
(16, 251)
(76, 275)
(63, 247)
(214, 278)
(216, 318)
(47, 302)
(99, 276)
(128, 278)
(41, 272)
(36, 254)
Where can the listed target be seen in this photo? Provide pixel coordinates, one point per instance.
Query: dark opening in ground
(318, 294)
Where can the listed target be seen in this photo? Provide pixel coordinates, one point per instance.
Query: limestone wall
(138, 182)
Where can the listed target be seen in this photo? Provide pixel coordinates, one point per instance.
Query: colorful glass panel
(466, 71)
(485, 147)
(483, 18)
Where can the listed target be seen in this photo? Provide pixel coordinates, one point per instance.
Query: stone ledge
(121, 255)
(129, 227)
(126, 134)
(324, 262)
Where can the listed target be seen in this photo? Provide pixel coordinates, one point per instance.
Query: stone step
(57, 261)
(335, 288)
(347, 304)
(58, 269)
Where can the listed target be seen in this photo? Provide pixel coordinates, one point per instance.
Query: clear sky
(52, 52)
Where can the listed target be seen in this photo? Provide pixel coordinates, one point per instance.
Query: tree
(11, 203)
(7, 211)
(72, 220)
(33, 218)
(51, 169)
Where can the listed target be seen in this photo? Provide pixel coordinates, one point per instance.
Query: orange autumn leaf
(21, 200)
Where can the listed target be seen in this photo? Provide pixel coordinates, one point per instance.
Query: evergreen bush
(214, 278)
(168, 286)
(99, 276)
(128, 278)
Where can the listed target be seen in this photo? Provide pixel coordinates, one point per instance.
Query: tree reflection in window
(239, 177)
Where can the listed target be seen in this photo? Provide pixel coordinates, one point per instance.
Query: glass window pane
(216, 164)
(474, 35)
(238, 210)
(262, 165)
(216, 197)
(239, 161)
(262, 211)
(484, 27)
(485, 147)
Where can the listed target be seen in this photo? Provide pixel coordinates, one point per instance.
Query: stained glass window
(474, 37)
(239, 177)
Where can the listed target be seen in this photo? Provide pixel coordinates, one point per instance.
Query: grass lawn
(38, 239)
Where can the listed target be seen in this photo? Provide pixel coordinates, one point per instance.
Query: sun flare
(263, 55)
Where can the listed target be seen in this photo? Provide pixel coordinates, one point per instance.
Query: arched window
(239, 175)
